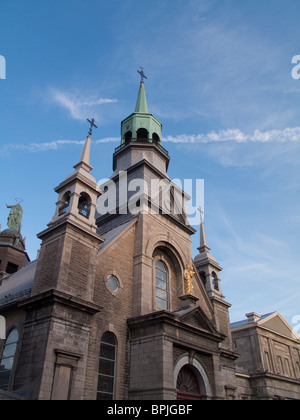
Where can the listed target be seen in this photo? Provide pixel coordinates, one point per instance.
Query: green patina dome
(141, 126)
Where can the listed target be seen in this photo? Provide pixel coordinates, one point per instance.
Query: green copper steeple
(141, 126)
(141, 104)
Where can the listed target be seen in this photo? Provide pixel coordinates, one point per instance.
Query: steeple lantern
(141, 126)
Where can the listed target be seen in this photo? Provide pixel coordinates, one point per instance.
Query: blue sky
(219, 79)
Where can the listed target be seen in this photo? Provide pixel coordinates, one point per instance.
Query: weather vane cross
(143, 76)
(93, 125)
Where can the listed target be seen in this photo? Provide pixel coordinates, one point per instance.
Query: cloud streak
(288, 135)
(54, 145)
(237, 136)
(77, 104)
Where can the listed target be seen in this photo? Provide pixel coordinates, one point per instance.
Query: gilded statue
(188, 279)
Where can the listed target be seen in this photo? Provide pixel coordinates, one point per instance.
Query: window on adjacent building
(107, 367)
(267, 361)
(279, 365)
(7, 358)
(287, 367)
(161, 285)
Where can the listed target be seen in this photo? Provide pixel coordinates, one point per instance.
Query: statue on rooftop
(14, 220)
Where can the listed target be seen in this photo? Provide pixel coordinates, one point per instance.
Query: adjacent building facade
(115, 307)
(268, 365)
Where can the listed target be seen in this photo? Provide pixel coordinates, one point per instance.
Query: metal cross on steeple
(143, 76)
(93, 125)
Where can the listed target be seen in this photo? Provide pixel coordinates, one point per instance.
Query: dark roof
(18, 285)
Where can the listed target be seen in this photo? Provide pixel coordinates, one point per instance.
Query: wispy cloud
(236, 135)
(254, 263)
(77, 104)
(8, 149)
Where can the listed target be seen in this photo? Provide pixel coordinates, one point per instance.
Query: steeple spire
(203, 241)
(84, 162)
(141, 104)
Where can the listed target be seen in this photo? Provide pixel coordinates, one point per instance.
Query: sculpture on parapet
(14, 220)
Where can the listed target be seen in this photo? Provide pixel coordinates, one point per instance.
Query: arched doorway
(188, 387)
(190, 379)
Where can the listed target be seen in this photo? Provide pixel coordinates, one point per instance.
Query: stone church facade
(115, 307)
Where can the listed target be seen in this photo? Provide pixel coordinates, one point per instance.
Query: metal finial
(93, 125)
(143, 76)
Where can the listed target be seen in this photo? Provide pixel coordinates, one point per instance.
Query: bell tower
(74, 220)
(207, 266)
(59, 312)
(209, 271)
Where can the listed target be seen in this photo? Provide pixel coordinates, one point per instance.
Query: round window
(113, 283)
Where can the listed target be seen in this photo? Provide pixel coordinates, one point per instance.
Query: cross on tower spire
(93, 125)
(201, 214)
(143, 76)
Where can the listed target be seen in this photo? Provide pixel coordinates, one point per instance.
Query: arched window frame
(107, 367)
(84, 205)
(215, 281)
(128, 137)
(203, 277)
(8, 356)
(156, 139)
(203, 380)
(65, 203)
(158, 291)
(142, 134)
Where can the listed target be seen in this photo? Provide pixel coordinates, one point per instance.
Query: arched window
(155, 138)
(142, 134)
(161, 285)
(188, 387)
(215, 281)
(7, 359)
(65, 203)
(84, 205)
(107, 367)
(203, 277)
(128, 137)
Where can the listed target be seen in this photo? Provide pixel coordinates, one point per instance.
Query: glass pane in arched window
(187, 385)
(161, 285)
(7, 359)
(107, 363)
